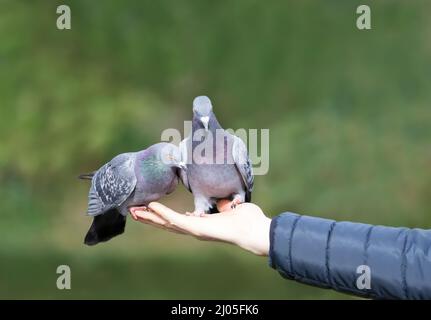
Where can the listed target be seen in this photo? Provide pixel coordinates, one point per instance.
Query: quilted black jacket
(361, 259)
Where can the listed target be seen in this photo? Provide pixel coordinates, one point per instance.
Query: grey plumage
(129, 179)
(223, 169)
(112, 184)
(243, 164)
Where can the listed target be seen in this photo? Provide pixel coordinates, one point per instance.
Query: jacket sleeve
(360, 259)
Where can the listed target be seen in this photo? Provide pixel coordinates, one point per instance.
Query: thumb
(224, 205)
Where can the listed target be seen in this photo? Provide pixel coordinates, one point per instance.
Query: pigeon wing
(184, 148)
(111, 186)
(243, 164)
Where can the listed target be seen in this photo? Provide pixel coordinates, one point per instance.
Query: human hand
(245, 226)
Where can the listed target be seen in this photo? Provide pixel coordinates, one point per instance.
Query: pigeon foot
(235, 202)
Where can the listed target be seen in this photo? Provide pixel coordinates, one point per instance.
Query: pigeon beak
(182, 165)
(205, 121)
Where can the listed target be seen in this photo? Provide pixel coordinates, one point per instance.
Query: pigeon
(129, 179)
(218, 165)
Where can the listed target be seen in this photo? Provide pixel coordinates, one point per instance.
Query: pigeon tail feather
(106, 226)
(87, 176)
(95, 205)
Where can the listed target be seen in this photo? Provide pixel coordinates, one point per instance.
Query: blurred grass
(348, 113)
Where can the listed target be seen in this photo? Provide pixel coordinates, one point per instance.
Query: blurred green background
(348, 112)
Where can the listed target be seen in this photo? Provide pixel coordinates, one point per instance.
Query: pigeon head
(202, 110)
(170, 155)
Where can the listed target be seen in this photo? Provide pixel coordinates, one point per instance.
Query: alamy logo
(363, 22)
(210, 148)
(64, 280)
(64, 21)
(364, 280)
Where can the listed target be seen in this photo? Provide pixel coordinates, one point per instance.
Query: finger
(133, 211)
(166, 213)
(155, 220)
(215, 226)
(158, 226)
(204, 215)
(150, 216)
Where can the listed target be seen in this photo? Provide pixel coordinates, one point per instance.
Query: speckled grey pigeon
(130, 179)
(218, 166)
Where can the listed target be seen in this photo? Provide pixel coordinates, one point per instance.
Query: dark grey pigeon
(130, 179)
(218, 166)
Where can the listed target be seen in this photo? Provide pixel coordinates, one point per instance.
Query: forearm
(331, 254)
